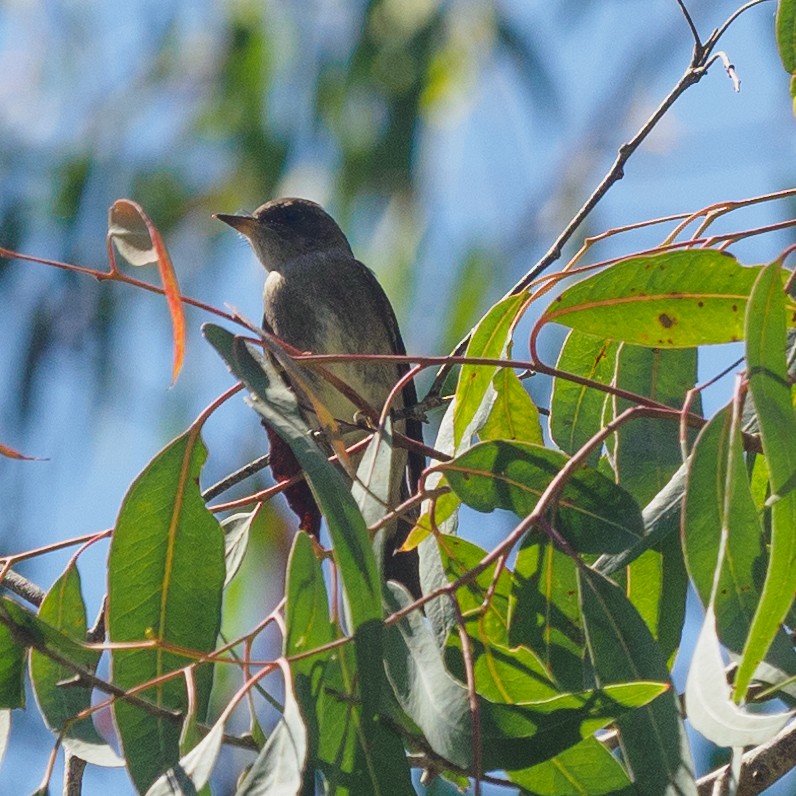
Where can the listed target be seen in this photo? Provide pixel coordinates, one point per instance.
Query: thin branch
(236, 477)
(760, 769)
(713, 40)
(690, 21)
(697, 69)
(23, 588)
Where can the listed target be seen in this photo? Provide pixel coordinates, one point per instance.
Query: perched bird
(319, 298)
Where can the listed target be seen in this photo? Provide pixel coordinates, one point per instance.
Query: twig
(236, 477)
(23, 588)
(701, 60)
(761, 767)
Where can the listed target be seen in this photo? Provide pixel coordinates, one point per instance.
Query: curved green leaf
(622, 649)
(514, 415)
(490, 339)
(271, 398)
(63, 608)
(676, 299)
(771, 392)
(576, 411)
(786, 34)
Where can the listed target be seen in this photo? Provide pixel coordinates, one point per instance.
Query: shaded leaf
(165, 579)
(592, 513)
(63, 609)
(12, 670)
(545, 612)
(623, 649)
(430, 696)
(647, 450)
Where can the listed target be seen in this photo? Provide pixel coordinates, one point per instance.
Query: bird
(319, 298)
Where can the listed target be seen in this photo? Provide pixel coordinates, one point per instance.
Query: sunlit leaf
(576, 410)
(678, 299)
(490, 339)
(514, 416)
(786, 34)
(586, 768)
(771, 392)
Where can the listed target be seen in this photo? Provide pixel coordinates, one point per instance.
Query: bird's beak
(244, 224)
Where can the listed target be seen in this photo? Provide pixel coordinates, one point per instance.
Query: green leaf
(511, 733)
(786, 34)
(545, 613)
(647, 450)
(719, 503)
(165, 579)
(351, 544)
(623, 649)
(677, 299)
(657, 585)
(771, 392)
(327, 689)
(485, 597)
(12, 670)
(593, 513)
(514, 415)
(63, 608)
(587, 767)
(490, 339)
(310, 627)
(576, 411)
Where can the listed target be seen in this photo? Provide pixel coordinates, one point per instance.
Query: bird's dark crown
(300, 220)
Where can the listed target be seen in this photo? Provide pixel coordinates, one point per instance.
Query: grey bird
(319, 298)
